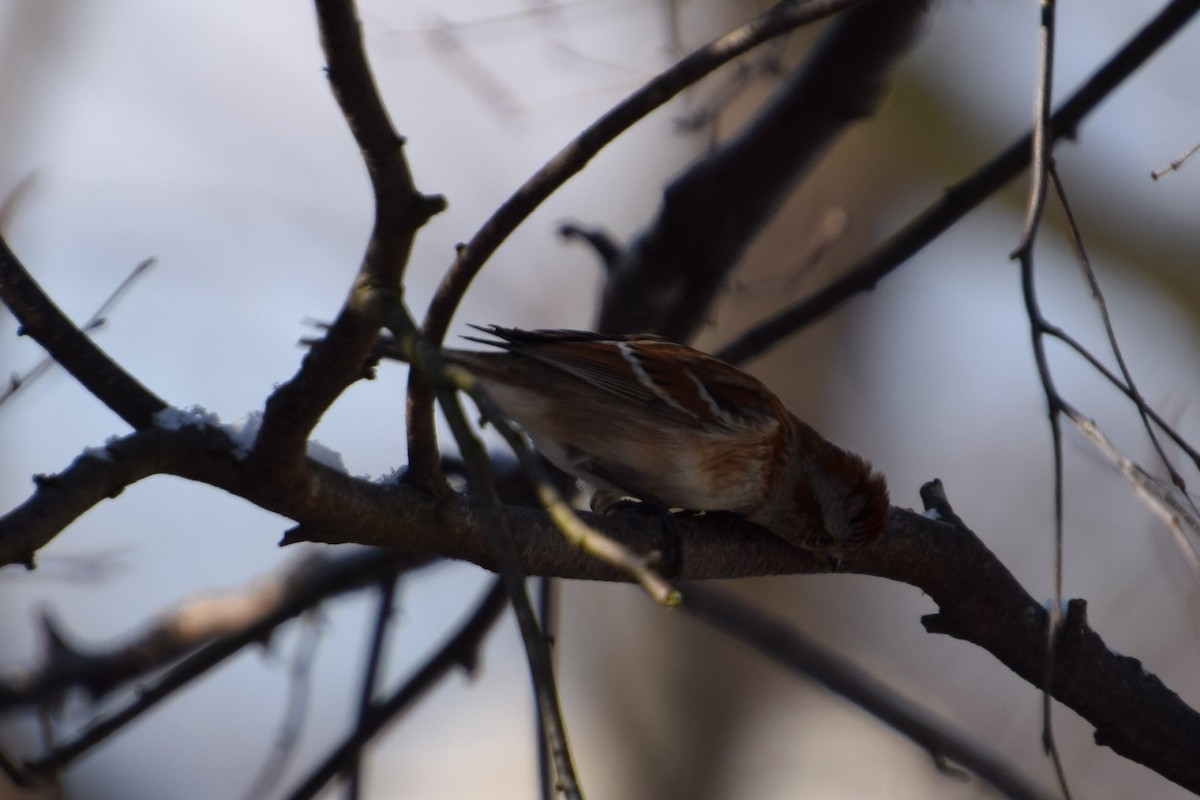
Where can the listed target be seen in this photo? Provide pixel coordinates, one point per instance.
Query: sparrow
(646, 418)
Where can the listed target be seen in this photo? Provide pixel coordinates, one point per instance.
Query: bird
(642, 417)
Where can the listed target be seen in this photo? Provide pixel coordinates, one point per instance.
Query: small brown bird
(643, 417)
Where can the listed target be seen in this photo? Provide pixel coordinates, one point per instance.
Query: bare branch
(547, 601)
(667, 277)
(1115, 380)
(304, 585)
(175, 633)
(978, 598)
(1041, 161)
(500, 539)
(1165, 504)
(337, 360)
(1132, 391)
(1174, 166)
(290, 728)
(964, 197)
(789, 648)
(461, 650)
(384, 609)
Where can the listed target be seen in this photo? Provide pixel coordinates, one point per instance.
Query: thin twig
(482, 486)
(384, 608)
(1041, 165)
(460, 650)
(296, 704)
(12, 201)
(1089, 274)
(1115, 380)
(1176, 164)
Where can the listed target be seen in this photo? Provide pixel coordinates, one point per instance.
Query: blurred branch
(784, 645)
(253, 615)
(781, 18)
(767, 64)
(964, 197)
(666, 278)
(296, 706)
(462, 650)
(385, 607)
(193, 624)
(42, 320)
(337, 360)
(603, 243)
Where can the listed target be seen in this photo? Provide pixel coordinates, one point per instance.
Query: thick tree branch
(666, 279)
(978, 598)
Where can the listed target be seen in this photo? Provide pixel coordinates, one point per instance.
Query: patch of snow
(326, 455)
(98, 453)
(244, 433)
(392, 477)
(173, 419)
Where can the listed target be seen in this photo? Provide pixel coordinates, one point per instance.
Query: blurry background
(205, 135)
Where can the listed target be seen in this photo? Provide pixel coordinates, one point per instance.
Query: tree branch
(786, 646)
(978, 598)
(264, 609)
(338, 359)
(666, 279)
(461, 650)
(964, 197)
